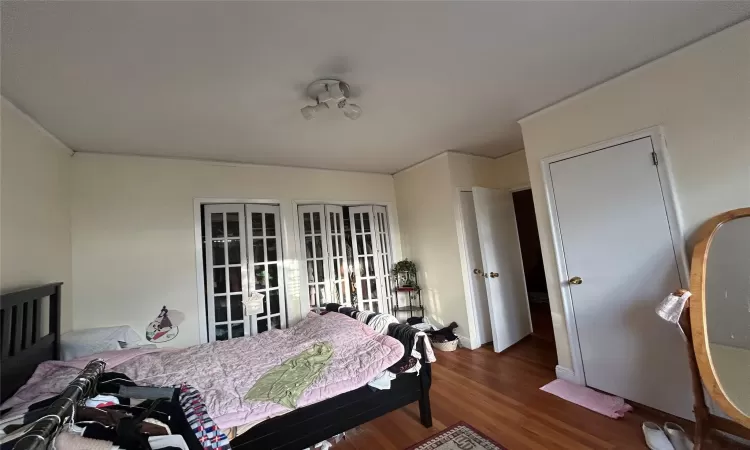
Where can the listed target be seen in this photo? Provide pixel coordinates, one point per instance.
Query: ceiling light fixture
(330, 92)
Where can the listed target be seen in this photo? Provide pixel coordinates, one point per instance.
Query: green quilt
(285, 383)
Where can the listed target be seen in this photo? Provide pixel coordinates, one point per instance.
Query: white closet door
(314, 253)
(226, 271)
(384, 253)
(616, 237)
(501, 259)
(339, 270)
(266, 264)
(366, 267)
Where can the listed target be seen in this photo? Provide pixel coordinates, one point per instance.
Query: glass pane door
(366, 265)
(226, 272)
(314, 253)
(339, 270)
(384, 254)
(266, 268)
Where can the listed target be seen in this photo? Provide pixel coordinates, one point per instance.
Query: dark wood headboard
(23, 347)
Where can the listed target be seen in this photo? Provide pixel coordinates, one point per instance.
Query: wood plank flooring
(499, 395)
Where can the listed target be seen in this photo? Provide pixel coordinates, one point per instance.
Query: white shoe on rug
(656, 439)
(678, 437)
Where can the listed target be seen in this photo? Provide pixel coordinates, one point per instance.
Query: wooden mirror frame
(698, 313)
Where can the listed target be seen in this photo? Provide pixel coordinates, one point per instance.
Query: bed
(24, 348)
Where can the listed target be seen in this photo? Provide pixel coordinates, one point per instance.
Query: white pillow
(80, 343)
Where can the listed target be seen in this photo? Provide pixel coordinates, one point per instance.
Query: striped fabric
(209, 435)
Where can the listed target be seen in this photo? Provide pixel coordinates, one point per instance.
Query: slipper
(655, 437)
(678, 437)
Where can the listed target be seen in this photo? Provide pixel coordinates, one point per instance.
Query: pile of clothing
(377, 321)
(120, 418)
(444, 334)
(403, 332)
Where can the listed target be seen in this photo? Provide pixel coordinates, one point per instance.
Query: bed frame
(23, 347)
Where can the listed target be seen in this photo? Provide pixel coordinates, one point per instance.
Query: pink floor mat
(607, 405)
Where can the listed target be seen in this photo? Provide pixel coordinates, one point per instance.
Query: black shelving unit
(407, 295)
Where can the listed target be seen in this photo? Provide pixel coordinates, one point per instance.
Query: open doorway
(503, 268)
(533, 265)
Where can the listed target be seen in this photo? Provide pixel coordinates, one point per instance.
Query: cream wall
(427, 196)
(701, 97)
(506, 172)
(428, 236)
(134, 232)
(35, 214)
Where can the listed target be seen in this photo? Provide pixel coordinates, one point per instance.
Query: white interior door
(314, 253)
(384, 252)
(226, 271)
(366, 266)
(502, 263)
(615, 236)
(338, 266)
(474, 260)
(266, 265)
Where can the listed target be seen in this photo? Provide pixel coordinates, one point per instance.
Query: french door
(313, 239)
(339, 274)
(346, 264)
(368, 268)
(243, 256)
(383, 244)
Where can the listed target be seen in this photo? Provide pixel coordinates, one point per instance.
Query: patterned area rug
(460, 436)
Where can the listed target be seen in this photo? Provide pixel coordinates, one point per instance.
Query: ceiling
(224, 80)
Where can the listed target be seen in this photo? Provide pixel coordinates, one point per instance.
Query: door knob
(575, 280)
(477, 271)
(494, 275)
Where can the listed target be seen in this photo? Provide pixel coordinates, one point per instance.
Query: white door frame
(656, 134)
(290, 248)
(394, 234)
(199, 277)
(466, 271)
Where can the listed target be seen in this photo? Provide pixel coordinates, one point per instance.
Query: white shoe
(655, 437)
(678, 437)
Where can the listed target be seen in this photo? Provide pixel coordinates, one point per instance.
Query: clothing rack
(62, 410)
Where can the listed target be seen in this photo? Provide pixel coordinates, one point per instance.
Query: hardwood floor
(499, 395)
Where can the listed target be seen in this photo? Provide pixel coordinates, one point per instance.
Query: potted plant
(405, 273)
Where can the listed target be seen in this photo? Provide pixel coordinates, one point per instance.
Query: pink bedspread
(224, 371)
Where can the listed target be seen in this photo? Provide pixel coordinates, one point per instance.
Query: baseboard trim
(465, 342)
(563, 373)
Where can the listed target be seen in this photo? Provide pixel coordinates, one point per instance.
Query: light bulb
(351, 110)
(339, 91)
(308, 112)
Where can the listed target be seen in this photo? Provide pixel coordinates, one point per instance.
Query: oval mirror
(720, 311)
